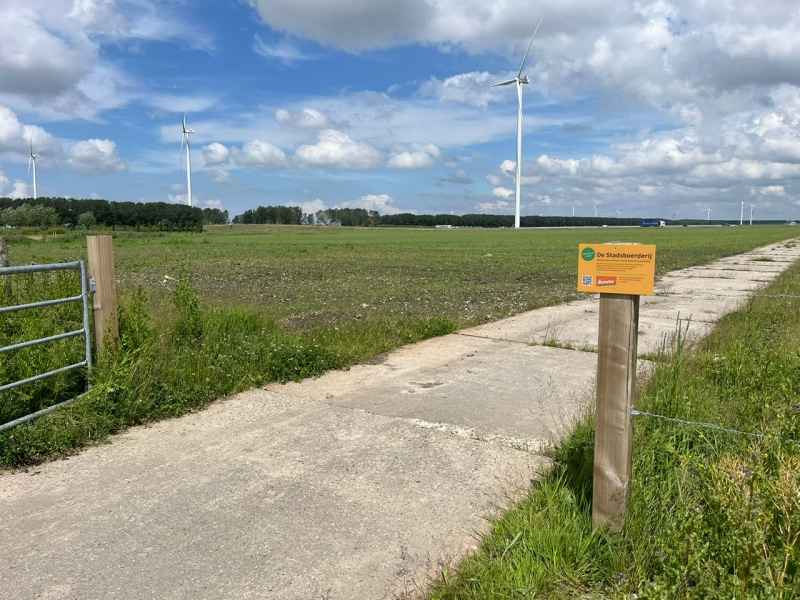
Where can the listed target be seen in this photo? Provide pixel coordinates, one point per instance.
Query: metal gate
(86, 286)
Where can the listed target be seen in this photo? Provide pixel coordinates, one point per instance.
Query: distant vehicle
(791, 223)
(653, 223)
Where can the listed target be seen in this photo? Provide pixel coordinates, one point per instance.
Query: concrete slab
(261, 496)
(496, 388)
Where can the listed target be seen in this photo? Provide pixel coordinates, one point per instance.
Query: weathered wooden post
(4, 260)
(101, 269)
(620, 273)
(616, 386)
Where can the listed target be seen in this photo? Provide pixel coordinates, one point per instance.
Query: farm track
(353, 485)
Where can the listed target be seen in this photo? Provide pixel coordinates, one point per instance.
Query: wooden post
(5, 261)
(101, 268)
(616, 385)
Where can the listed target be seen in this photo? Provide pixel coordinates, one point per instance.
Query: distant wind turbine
(741, 215)
(595, 211)
(708, 214)
(520, 80)
(573, 211)
(32, 162)
(185, 140)
(751, 214)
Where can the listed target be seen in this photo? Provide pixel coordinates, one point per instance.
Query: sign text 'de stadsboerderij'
(617, 268)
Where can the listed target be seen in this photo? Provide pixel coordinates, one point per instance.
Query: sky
(638, 108)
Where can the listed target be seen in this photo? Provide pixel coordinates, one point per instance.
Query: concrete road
(354, 485)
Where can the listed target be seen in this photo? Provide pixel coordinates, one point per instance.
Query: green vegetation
(305, 277)
(277, 303)
(174, 357)
(711, 514)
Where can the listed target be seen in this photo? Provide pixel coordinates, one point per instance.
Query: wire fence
(641, 413)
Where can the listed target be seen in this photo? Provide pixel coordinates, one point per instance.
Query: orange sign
(617, 268)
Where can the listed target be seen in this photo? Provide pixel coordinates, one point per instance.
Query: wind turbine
(520, 80)
(573, 211)
(185, 140)
(32, 162)
(751, 214)
(708, 214)
(741, 215)
(595, 210)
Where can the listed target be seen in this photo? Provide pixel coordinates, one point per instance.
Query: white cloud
(338, 150)
(17, 190)
(50, 57)
(16, 137)
(213, 203)
(410, 161)
(770, 190)
(383, 203)
(284, 51)
(500, 205)
(309, 207)
(308, 118)
(501, 192)
(259, 154)
(468, 88)
(20, 190)
(220, 176)
(95, 156)
(215, 154)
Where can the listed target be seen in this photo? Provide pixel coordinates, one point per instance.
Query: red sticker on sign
(606, 280)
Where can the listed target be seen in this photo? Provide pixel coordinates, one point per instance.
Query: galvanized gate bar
(52, 338)
(10, 386)
(40, 268)
(16, 307)
(38, 413)
(80, 266)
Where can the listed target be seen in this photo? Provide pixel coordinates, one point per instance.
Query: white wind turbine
(595, 211)
(185, 140)
(32, 162)
(520, 80)
(708, 214)
(751, 214)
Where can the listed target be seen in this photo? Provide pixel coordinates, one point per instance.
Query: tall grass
(711, 514)
(176, 356)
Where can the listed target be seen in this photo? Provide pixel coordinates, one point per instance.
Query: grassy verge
(711, 515)
(174, 356)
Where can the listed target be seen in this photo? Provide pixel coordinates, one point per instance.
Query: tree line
(293, 215)
(46, 212)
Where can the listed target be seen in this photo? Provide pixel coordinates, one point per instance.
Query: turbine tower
(185, 140)
(520, 80)
(595, 211)
(32, 162)
(708, 214)
(751, 214)
(741, 215)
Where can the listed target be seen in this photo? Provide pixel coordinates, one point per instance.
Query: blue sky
(648, 108)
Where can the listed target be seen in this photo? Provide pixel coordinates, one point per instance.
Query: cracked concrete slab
(260, 496)
(490, 386)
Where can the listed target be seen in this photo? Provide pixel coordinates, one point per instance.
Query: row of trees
(116, 214)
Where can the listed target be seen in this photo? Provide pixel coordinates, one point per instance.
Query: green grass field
(311, 276)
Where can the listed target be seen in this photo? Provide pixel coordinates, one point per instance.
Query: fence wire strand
(641, 413)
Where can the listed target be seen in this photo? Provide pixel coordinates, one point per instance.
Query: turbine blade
(30, 160)
(184, 122)
(509, 82)
(524, 58)
(180, 162)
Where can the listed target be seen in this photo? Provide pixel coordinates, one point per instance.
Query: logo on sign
(587, 254)
(606, 281)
